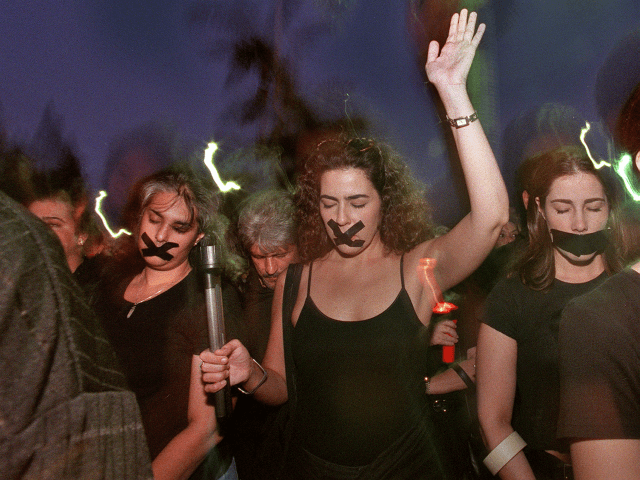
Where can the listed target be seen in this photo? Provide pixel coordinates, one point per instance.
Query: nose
(342, 218)
(271, 266)
(579, 223)
(162, 233)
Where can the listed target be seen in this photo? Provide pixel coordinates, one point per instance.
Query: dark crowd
(338, 332)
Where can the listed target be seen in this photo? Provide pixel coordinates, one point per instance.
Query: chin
(348, 251)
(579, 259)
(270, 284)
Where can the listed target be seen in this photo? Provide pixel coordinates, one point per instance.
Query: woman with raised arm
(360, 312)
(573, 238)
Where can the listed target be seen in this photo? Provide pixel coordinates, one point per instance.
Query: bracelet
(462, 121)
(427, 381)
(464, 376)
(505, 451)
(260, 383)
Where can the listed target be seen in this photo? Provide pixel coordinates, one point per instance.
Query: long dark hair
(405, 216)
(536, 266)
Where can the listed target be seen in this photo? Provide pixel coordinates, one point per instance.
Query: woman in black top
(361, 310)
(569, 211)
(156, 320)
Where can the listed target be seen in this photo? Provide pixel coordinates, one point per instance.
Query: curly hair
(405, 214)
(536, 266)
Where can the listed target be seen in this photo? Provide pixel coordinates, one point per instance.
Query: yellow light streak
(208, 161)
(583, 134)
(122, 231)
(624, 169)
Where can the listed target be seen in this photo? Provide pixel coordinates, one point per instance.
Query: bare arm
(617, 459)
(274, 391)
(450, 381)
(460, 251)
(188, 449)
(496, 384)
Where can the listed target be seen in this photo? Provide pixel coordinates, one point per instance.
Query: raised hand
(450, 66)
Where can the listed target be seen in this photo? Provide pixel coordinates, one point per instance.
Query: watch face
(461, 122)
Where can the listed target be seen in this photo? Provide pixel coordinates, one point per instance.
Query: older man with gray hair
(267, 235)
(267, 232)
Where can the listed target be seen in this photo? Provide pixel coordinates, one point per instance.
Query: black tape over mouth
(579, 245)
(153, 250)
(345, 238)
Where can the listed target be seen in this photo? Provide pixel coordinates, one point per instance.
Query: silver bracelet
(427, 382)
(260, 383)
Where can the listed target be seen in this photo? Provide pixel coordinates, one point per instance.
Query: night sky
(110, 66)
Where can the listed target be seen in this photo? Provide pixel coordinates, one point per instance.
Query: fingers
(469, 26)
(453, 28)
(461, 30)
(448, 328)
(446, 340)
(475, 41)
(444, 335)
(448, 323)
(219, 357)
(214, 387)
(450, 333)
(214, 377)
(215, 370)
(433, 52)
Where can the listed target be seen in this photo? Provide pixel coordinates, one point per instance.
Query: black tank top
(360, 384)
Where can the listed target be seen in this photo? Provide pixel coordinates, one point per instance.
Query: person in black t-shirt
(600, 358)
(568, 210)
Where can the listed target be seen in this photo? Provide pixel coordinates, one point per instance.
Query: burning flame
(425, 272)
(99, 199)
(208, 161)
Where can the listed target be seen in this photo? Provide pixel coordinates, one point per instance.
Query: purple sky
(110, 66)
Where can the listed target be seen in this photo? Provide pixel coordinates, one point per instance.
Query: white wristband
(505, 451)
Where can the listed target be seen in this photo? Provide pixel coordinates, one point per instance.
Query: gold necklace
(163, 288)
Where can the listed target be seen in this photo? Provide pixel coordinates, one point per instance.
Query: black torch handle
(215, 320)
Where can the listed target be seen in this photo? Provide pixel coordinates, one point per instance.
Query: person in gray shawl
(65, 410)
